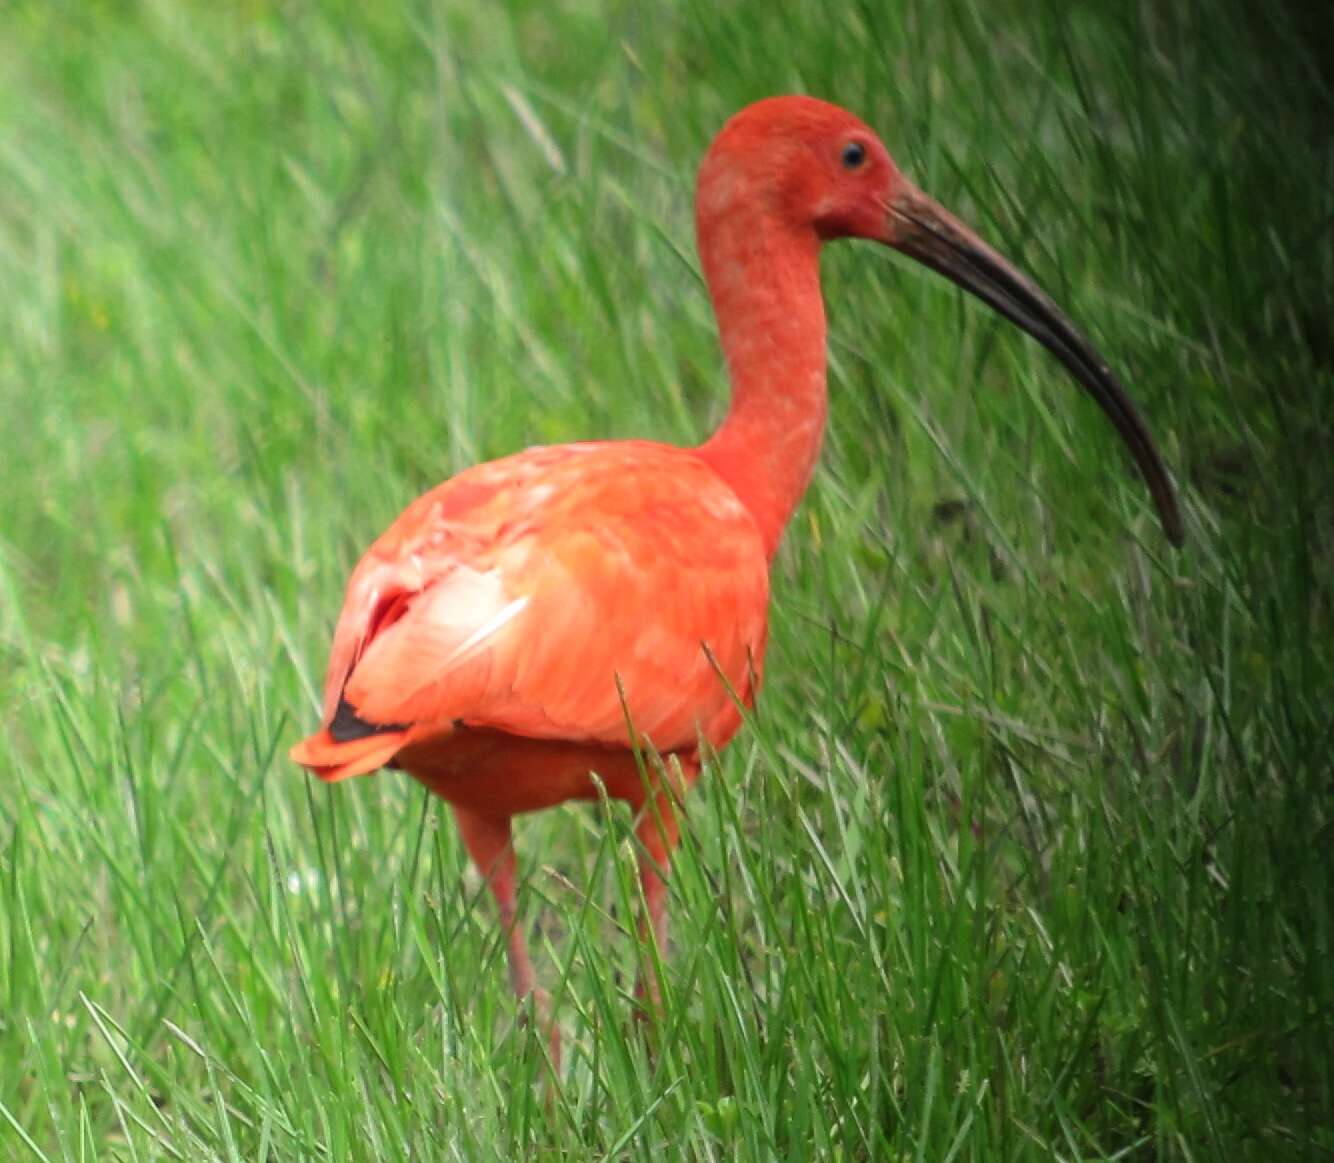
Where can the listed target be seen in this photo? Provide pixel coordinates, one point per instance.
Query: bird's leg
(490, 842)
(659, 830)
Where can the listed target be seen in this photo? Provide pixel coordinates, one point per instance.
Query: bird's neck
(765, 285)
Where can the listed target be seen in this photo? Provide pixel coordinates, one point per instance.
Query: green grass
(1027, 855)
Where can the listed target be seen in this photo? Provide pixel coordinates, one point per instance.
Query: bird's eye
(854, 153)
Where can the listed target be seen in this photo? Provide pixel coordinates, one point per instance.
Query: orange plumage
(536, 619)
(495, 603)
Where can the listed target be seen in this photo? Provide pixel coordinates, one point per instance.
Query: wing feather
(526, 595)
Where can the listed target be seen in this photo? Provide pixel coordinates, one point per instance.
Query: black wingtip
(348, 726)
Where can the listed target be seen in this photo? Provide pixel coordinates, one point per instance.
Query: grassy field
(1027, 854)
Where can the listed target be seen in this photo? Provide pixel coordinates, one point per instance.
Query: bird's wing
(555, 592)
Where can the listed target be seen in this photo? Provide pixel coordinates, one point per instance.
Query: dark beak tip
(1176, 534)
(1167, 504)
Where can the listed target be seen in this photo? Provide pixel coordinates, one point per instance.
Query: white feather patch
(469, 608)
(491, 626)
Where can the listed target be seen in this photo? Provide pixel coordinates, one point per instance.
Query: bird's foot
(648, 1011)
(536, 1007)
(648, 997)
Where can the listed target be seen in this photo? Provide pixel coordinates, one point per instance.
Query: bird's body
(512, 638)
(525, 633)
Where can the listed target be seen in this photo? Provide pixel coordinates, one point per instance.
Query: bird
(525, 633)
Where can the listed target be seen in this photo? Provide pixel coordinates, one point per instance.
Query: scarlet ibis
(536, 619)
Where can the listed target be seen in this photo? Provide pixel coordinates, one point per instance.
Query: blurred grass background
(1027, 855)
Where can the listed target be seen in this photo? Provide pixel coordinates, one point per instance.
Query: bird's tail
(324, 756)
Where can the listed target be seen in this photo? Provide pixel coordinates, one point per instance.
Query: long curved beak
(923, 229)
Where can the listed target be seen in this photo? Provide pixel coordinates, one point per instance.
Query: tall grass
(1026, 853)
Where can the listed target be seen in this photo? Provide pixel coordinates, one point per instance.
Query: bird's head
(804, 164)
(813, 172)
